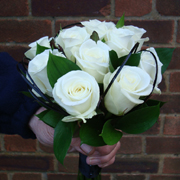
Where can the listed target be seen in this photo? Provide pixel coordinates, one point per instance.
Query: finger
(99, 160)
(104, 150)
(107, 164)
(84, 148)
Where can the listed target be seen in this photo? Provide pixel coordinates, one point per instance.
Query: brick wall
(153, 155)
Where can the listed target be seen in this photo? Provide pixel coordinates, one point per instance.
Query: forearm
(15, 108)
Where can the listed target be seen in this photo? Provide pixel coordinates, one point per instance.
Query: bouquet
(95, 82)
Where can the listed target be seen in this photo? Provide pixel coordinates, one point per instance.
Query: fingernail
(86, 148)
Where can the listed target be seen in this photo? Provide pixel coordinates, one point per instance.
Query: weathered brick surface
(178, 32)
(61, 176)
(174, 82)
(130, 145)
(132, 165)
(132, 8)
(3, 176)
(14, 8)
(70, 8)
(63, 23)
(165, 177)
(163, 145)
(70, 177)
(46, 148)
(172, 102)
(168, 7)
(24, 30)
(175, 61)
(70, 164)
(0, 141)
(16, 51)
(159, 31)
(172, 125)
(171, 165)
(18, 144)
(26, 176)
(26, 163)
(130, 177)
(155, 129)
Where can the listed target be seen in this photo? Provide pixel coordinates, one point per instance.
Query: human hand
(102, 156)
(43, 132)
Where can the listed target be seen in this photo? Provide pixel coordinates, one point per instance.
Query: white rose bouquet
(95, 81)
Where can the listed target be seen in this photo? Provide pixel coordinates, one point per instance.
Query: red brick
(168, 7)
(178, 32)
(24, 30)
(159, 31)
(0, 142)
(16, 51)
(26, 163)
(14, 8)
(175, 61)
(63, 23)
(70, 164)
(18, 144)
(133, 165)
(172, 125)
(3, 176)
(130, 145)
(26, 176)
(133, 8)
(154, 129)
(70, 177)
(172, 102)
(174, 81)
(162, 86)
(61, 176)
(164, 177)
(70, 8)
(163, 145)
(171, 166)
(46, 148)
(130, 177)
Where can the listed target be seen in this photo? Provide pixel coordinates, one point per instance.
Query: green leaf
(94, 36)
(113, 58)
(90, 132)
(120, 23)
(153, 102)
(50, 117)
(165, 56)
(109, 134)
(40, 49)
(62, 139)
(59, 66)
(132, 61)
(138, 121)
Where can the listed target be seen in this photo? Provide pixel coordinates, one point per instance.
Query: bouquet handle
(88, 171)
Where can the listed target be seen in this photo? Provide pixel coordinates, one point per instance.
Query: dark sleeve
(16, 109)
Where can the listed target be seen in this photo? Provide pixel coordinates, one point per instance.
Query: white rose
(31, 53)
(78, 93)
(37, 69)
(70, 39)
(93, 58)
(131, 83)
(101, 28)
(138, 33)
(147, 63)
(120, 40)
